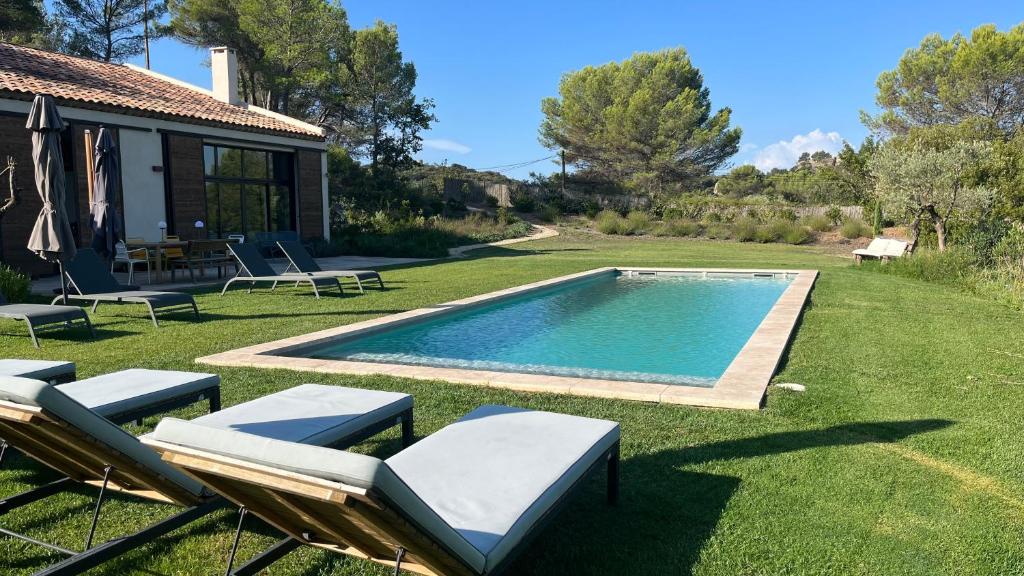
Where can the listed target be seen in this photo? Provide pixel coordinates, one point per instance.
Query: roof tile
(27, 71)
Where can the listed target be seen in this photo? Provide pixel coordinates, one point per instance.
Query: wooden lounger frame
(336, 516)
(83, 459)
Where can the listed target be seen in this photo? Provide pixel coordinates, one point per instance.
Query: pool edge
(741, 386)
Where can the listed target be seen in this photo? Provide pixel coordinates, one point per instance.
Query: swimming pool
(672, 329)
(707, 337)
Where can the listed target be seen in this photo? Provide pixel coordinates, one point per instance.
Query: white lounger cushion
(476, 486)
(38, 393)
(128, 390)
(493, 474)
(38, 369)
(313, 414)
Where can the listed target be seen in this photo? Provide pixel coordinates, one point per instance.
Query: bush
(522, 202)
(718, 232)
(638, 222)
(767, 233)
(712, 218)
(609, 222)
(818, 223)
(13, 284)
(678, 227)
(490, 201)
(853, 228)
(797, 235)
(549, 213)
(745, 229)
(834, 214)
(947, 267)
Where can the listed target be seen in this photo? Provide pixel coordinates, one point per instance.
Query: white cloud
(446, 145)
(784, 154)
(747, 147)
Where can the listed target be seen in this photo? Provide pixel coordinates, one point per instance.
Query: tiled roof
(84, 83)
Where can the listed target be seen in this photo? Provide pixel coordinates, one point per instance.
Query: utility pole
(145, 28)
(562, 154)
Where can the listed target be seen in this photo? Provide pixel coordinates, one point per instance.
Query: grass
(902, 457)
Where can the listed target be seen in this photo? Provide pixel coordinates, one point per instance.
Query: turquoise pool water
(664, 329)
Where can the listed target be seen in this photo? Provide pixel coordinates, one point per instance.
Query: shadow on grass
(665, 516)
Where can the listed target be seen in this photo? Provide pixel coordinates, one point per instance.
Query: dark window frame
(267, 182)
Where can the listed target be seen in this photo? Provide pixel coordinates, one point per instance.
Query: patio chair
(203, 254)
(94, 283)
(65, 428)
(39, 317)
(268, 241)
(881, 248)
(252, 268)
(300, 260)
(462, 501)
(122, 255)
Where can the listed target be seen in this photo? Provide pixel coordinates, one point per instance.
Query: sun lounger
(88, 276)
(462, 501)
(882, 248)
(252, 268)
(54, 372)
(38, 316)
(299, 260)
(65, 428)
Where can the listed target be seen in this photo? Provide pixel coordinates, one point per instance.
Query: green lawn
(904, 455)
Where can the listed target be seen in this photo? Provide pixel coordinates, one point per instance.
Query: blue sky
(794, 73)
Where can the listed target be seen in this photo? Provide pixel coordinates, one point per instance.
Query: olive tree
(913, 182)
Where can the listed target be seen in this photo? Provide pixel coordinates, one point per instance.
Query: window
(248, 191)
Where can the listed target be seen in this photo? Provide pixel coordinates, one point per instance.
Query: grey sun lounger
(462, 501)
(93, 282)
(71, 428)
(43, 316)
(299, 260)
(252, 268)
(52, 371)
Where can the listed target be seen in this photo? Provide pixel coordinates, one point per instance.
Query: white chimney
(224, 63)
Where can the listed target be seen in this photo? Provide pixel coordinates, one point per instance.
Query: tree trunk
(915, 231)
(940, 227)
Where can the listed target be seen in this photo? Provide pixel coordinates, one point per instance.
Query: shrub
(876, 220)
(745, 229)
(834, 214)
(712, 218)
(522, 202)
(549, 213)
(797, 235)
(718, 232)
(591, 208)
(13, 284)
(853, 228)
(678, 227)
(818, 223)
(767, 233)
(609, 222)
(638, 222)
(947, 267)
(490, 201)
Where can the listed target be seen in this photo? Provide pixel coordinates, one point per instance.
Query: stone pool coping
(741, 386)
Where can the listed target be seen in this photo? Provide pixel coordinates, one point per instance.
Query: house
(203, 162)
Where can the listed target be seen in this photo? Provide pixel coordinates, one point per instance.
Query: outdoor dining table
(158, 248)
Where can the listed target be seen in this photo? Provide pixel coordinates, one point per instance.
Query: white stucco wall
(144, 204)
(142, 187)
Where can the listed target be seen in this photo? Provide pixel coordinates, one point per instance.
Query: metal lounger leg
(3, 450)
(152, 313)
(407, 431)
(238, 536)
(316, 292)
(88, 325)
(95, 305)
(91, 558)
(380, 281)
(32, 333)
(34, 495)
(195, 310)
(613, 475)
(359, 284)
(267, 557)
(99, 503)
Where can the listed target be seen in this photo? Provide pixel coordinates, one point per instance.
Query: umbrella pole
(63, 284)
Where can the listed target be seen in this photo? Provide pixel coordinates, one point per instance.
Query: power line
(515, 165)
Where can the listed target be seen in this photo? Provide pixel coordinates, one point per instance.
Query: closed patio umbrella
(51, 238)
(106, 181)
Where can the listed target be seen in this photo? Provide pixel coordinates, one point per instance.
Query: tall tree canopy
(915, 181)
(20, 20)
(300, 57)
(109, 30)
(646, 122)
(977, 80)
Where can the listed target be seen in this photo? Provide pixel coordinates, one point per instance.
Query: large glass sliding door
(248, 191)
